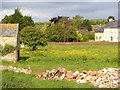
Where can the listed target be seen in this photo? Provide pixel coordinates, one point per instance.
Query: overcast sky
(43, 11)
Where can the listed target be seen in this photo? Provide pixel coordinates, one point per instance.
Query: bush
(1, 49)
(7, 49)
(33, 37)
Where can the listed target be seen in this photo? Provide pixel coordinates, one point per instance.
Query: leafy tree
(86, 25)
(61, 31)
(78, 18)
(111, 17)
(32, 37)
(17, 17)
(79, 37)
(26, 21)
(6, 19)
(77, 21)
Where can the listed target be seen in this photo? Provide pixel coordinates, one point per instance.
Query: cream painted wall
(99, 36)
(109, 34)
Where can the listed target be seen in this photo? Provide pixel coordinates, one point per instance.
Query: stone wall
(8, 40)
(9, 34)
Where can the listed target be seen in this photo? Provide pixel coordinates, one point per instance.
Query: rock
(75, 74)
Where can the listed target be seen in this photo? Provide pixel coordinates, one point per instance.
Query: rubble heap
(14, 69)
(105, 78)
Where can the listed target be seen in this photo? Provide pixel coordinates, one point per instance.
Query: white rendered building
(110, 32)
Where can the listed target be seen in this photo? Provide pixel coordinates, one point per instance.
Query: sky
(44, 11)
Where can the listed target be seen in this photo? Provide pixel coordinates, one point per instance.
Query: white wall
(112, 34)
(109, 34)
(99, 36)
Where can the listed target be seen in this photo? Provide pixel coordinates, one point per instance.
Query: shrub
(7, 49)
(33, 37)
(1, 49)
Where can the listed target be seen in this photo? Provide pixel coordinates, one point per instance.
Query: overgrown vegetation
(7, 49)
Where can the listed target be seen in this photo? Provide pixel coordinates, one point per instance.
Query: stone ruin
(9, 34)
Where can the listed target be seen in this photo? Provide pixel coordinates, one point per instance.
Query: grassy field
(70, 57)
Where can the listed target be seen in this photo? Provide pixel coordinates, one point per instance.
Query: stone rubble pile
(14, 69)
(105, 78)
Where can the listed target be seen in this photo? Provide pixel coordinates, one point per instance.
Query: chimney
(111, 20)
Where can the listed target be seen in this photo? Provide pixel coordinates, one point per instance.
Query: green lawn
(20, 80)
(70, 57)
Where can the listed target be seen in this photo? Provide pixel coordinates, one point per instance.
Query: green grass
(20, 80)
(70, 57)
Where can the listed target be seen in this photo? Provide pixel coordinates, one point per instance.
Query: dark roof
(84, 31)
(113, 24)
(8, 29)
(98, 29)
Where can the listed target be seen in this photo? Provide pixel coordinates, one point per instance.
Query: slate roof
(84, 31)
(8, 30)
(98, 29)
(113, 24)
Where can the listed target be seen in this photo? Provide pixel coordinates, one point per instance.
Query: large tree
(111, 17)
(33, 37)
(17, 17)
(61, 31)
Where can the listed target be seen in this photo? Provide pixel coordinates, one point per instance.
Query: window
(96, 38)
(111, 38)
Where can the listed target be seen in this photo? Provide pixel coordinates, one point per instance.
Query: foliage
(7, 49)
(111, 17)
(88, 36)
(26, 21)
(61, 31)
(86, 25)
(98, 21)
(1, 49)
(17, 17)
(33, 37)
(79, 37)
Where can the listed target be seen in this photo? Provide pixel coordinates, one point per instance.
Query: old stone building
(9, 34)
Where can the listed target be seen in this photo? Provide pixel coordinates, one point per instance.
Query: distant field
(80, 57)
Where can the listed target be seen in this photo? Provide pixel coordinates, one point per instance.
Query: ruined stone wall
(12, 41)
(8, 40)
(9, 34)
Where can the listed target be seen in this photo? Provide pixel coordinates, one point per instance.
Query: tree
(17, 17)
(6, 19)
(61, 31)
(86, 25)
(26, 21)
(111, 17)
(77, 21)
(78, 18)
(32, 37)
